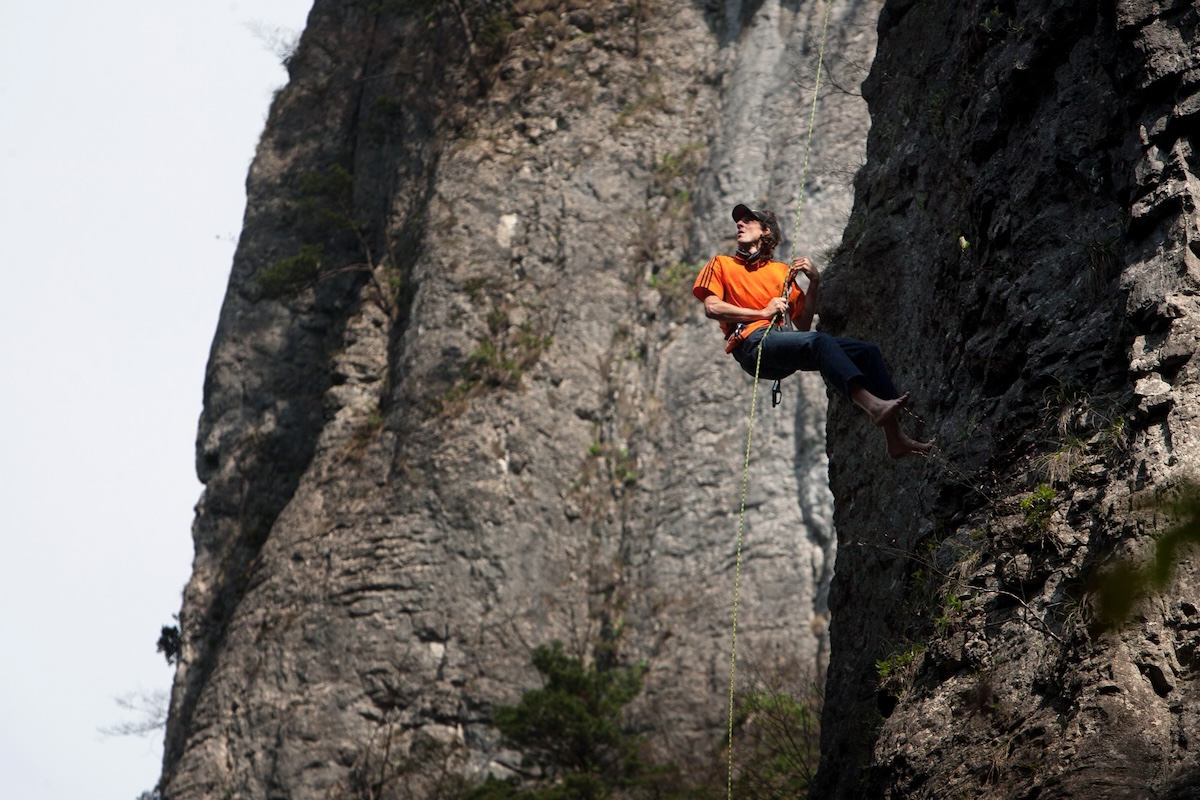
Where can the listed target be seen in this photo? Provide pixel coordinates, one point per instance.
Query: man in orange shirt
(748, 292)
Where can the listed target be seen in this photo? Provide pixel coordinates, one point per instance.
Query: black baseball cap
(741, 211)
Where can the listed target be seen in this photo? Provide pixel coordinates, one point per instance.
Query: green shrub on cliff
(1123, 585)
(777, 743)
(572, 734)
(573, 730)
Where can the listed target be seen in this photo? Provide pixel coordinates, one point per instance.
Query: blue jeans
(842, 361)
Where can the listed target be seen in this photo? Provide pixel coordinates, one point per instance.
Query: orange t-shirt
(730, 280)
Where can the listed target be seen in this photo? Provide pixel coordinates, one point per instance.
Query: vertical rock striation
(460, 402)
(1024, 240)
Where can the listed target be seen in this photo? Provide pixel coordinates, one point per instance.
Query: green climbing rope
(737, 571)
(812, 119)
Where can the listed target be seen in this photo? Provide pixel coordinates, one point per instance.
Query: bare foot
(883, 414)
(880, 411)
(900, 445)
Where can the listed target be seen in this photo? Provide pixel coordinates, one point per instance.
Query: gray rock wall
(1024, 240)
(500, 419)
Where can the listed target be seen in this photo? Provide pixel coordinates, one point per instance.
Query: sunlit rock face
(1025, 241)
(461, 403)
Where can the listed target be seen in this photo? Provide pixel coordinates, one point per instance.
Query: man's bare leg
(883, 414)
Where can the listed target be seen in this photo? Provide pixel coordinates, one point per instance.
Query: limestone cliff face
(460, 402)
(1025, 240)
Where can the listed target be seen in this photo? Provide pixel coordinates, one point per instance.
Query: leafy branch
(327, 210)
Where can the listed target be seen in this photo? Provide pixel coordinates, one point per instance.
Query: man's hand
(777, 307)
(806, 268)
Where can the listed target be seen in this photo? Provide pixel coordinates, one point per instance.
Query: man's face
(749, 231)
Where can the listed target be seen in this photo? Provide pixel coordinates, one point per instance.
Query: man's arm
(721, 311)
(804, 319)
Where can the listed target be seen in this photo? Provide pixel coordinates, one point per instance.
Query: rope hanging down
(737, 572)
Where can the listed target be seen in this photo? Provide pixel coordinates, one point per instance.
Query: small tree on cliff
(573, 730)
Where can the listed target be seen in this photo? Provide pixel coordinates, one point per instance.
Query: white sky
(126, 131)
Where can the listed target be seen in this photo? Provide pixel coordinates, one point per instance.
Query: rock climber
(745, 293)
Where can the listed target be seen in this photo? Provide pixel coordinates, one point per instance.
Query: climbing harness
(776, 393)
